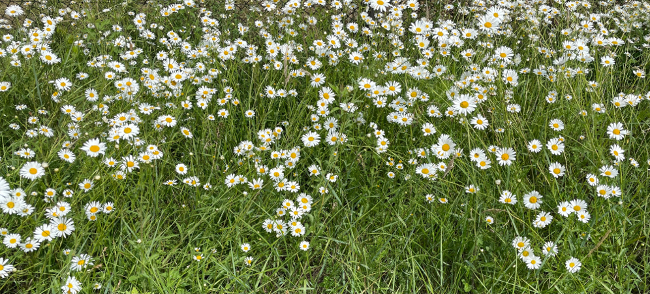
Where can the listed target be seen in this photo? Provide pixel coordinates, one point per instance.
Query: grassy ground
(368, 233)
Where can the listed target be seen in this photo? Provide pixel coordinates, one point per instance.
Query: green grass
(369, 233)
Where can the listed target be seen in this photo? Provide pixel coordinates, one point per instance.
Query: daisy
(223, 113)
(62, 84)
(298, 230)
(444, 148)
(167, 120)
(428, 129)
(5, 268)
(616, 131)
(542, 220)
(488, 23)
(608, 171)
(62, 208)
(94, 147)
(533, 262)
(615, 191)
(129, 163)
(380, 5)
(504, 53)
(476, 154)
(505, 156)
(181, 169)
(564, 208)
(607, 61)
(32, 170)
(12, 240)
(532, 200)
(12, 204)
(427, 170)
(4, 188)
(129, 131)
(86, 185)
(556, 169)
(186, 132)
(556, 146)
(93, 207)
(535, 146)
(508, 198)
(66, 155)
(248, 261)
(108, 207)
(520, 243)
(313, 170)
(192, 181)
(62, 226)
(489, 220)
(71, 285)
(13, 10)
(464, 104)
(617, 152)
(584, 216)
(471, 189)
(317, 80)
(479, 122)
(592, 180)
(483, 162)
(526, 253)
(549, 249)
(245, 247)
(573, 265)
(80, 262)
(578, 205)
(510, 77)
(310, 139)
(599, 108)
(556, 125)
(603, 191)
(304, 245)
(43, 233)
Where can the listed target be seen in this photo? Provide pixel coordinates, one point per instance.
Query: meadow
(324, 146)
